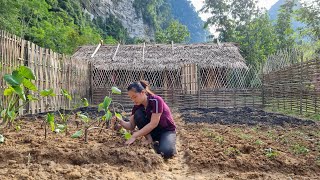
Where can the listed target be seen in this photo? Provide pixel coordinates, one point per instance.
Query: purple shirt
(157, 105)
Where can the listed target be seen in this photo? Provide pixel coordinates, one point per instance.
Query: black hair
(140, 86)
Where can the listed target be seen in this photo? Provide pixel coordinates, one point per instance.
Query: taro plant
(105, 105)
(49, 120)
(65, 116)
(19, 83)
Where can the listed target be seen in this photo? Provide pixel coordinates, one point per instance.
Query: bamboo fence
(291, 84)
(52, 70)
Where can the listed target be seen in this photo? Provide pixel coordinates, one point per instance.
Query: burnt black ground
(243, 116)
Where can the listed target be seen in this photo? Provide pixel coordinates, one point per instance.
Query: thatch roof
(160, 56)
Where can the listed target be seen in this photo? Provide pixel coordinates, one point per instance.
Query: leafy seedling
(270, 153)
(88, 123)
(49, 121)
(66, 116)
(18, 82)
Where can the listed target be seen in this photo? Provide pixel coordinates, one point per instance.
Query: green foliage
(175, 32)
(77, 134)
(258, 142)
(270, 153)
(299, 149)
(112, 29)
(230, 16)
(50, 121)
(283, 26)
(55, 24)
(309, 15)
(18, 81)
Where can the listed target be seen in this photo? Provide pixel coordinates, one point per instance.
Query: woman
(153, 118)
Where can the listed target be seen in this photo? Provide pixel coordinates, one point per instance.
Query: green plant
(105, 105)
(258, 142)
(18, 82)
(64, 116)
(270, 153)
(300, 149)
(245, 136)
(88, 123)
(49, 120)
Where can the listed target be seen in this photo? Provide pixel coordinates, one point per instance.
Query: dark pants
(167, 139)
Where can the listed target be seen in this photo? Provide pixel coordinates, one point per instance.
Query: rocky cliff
(125, 12)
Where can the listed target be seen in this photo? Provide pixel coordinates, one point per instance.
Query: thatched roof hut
(160, 56)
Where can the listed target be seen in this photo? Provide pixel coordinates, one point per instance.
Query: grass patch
(212, 135)
(258, 142)
(300, 149)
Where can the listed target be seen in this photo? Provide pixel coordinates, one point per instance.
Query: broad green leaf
(47, 92)
(12, 114)
(1, 138)
(122, 130)
(18, 90)
(106, 103)
(60, 126)
(32, 98)
(28, 84)
(85, 102)
(50, 120)
(115, 90)
(9, 91)
(77, 134)
(3, 113)
(26, 72)
(66, 94)
(107, 116)
(83, 117)
(100, 107)
(118, 115)
(127, 135)
(14, 80)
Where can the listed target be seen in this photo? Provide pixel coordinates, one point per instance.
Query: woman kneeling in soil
(153, 118)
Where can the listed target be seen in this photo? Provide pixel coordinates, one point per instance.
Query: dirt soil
(214, 143)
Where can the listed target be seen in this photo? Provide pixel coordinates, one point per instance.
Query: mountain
(63, 25)
(185, 12)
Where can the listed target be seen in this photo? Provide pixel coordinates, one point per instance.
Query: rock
(126, 13)
(74, 174)
(10, 162)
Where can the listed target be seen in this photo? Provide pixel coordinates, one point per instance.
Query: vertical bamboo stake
(300, 107)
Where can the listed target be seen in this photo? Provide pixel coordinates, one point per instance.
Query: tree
(257, 40)
(175, 32)
(285, 32)
(309, 14)
(229, 16)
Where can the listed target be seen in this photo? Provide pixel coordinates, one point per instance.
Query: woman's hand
(131, 140)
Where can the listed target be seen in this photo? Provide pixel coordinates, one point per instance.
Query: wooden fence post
(300, 106)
